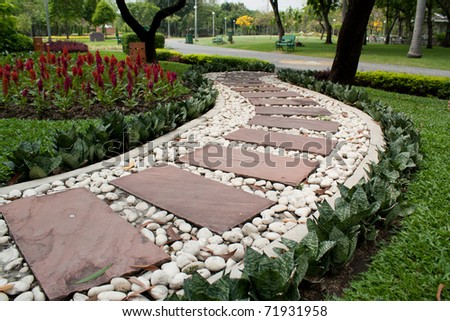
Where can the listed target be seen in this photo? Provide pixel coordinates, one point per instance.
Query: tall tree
(66, 12)
(148, 37)
(276, 12)
(89, 9)
(351, 37)
(415, 50)
(323, 8)
(430, 24)
(445, 7)
(103, 14)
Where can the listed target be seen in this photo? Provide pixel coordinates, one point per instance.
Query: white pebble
(121, 284)
(106, 188)
(9, 254)
(80, 297)
(117, 207)
(278, 186)
(19, 287)
(38, 294)
(260, 243)
(43, 188)
(111, 197)
(141, 206)
(161, 240)
(29, 192)
(137, 288)
(26, 296)
(303, 212)
(248, 229)
(271, 235)
(13, 264)
(171, 269)
(3, 297)
(204, 233)
(185, 227)
(178, 280)
(111, 296)
(159, 292)
(238, 250)
(192, 247)
(15, 193)
(99, 289)
(278, 227)
(279, 208)
(131, 200)
(215, 263)
(148, 234)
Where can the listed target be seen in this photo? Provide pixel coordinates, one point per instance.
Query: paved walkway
(232, 182)
(284, 60)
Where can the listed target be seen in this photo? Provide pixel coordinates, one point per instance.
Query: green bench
(217, 39)
(286, 41)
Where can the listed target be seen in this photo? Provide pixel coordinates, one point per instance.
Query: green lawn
(417, 260)
(437, 58)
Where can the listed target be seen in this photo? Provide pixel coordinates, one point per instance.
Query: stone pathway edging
(300, 231)
(139, 151)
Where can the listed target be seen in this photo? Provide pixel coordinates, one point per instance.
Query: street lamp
(195, 27)
(234, 27)
(213, 14)
(225, 28)
(48, 21)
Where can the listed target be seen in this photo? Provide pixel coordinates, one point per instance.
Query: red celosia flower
(120, 71)
(1, 71)
(25, 92)
(58, 71)
(98, 58)
(42, 59)
(80, 72)
(95, 75)
(130, 89)
(150, 85)
(67, 84)
(136, 70)
(113, 78)
(147, 71)
(65, 52)
(29, 64)
(15, 76)
(138, 59)
(113, 60)
(90, 58)
(74, 71)
(32, 74)
(40, 85)
(19, 65)
(100, 69)
(106, 59)
(5, 85)
(129, 62)
(52, 59)
(100, 82)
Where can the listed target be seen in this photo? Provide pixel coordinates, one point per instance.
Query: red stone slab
(292, 111)
(68, 236)
(244, 83)
(280, 102)
(199, 200)
(257, 89)
(314, 145)
(283, 169)
(278, 94)
(290, 123)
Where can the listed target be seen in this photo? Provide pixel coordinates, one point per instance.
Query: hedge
(405, 83)
(15, 43)
(132, 37)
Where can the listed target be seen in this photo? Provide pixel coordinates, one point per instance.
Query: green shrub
(132, 37)
(126, 39)
(16, 42)
(159, 40)
(212, 63)
(405, 83)
(169, 55)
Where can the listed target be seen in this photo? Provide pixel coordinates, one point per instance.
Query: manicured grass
(436, 58)
(417, 259)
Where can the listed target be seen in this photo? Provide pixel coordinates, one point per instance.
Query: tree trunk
(148, 37)
(415, 50)
(350, 41)
(389, 31)
(445, 6)
(430, 24)
(344, 9)
(328, 27)
(274, 4)
(447, 36)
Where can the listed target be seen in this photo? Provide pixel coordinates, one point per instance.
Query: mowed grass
(417, 260)
(436, 58)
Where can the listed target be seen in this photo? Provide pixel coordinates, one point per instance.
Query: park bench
(218, 39)
(286, 41)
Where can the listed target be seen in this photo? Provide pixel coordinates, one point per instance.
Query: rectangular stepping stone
(244, 83)
(257, 89)
(291, 111)
(278, 94)
(196, 199)
(314, 145)
(71, 235)
(290, 123)
(280, 102)
(282, 169)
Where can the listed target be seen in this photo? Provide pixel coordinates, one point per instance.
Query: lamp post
(195, 23)
(225, 27)
(234, 26)
(213, 14)
(48, 21)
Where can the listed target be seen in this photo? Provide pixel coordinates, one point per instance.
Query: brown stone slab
(257, 89)
(280, 102)
(292, 111)
(196, 199)
(290, 123)
(283, 169)
(68, 236)
(314, 145)
(244, 83)
(278, 94)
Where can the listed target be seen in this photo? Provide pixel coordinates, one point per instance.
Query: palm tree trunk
(415, 50)
(430, 24)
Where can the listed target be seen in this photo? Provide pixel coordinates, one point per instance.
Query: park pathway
(76, 232)
(285, 60)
